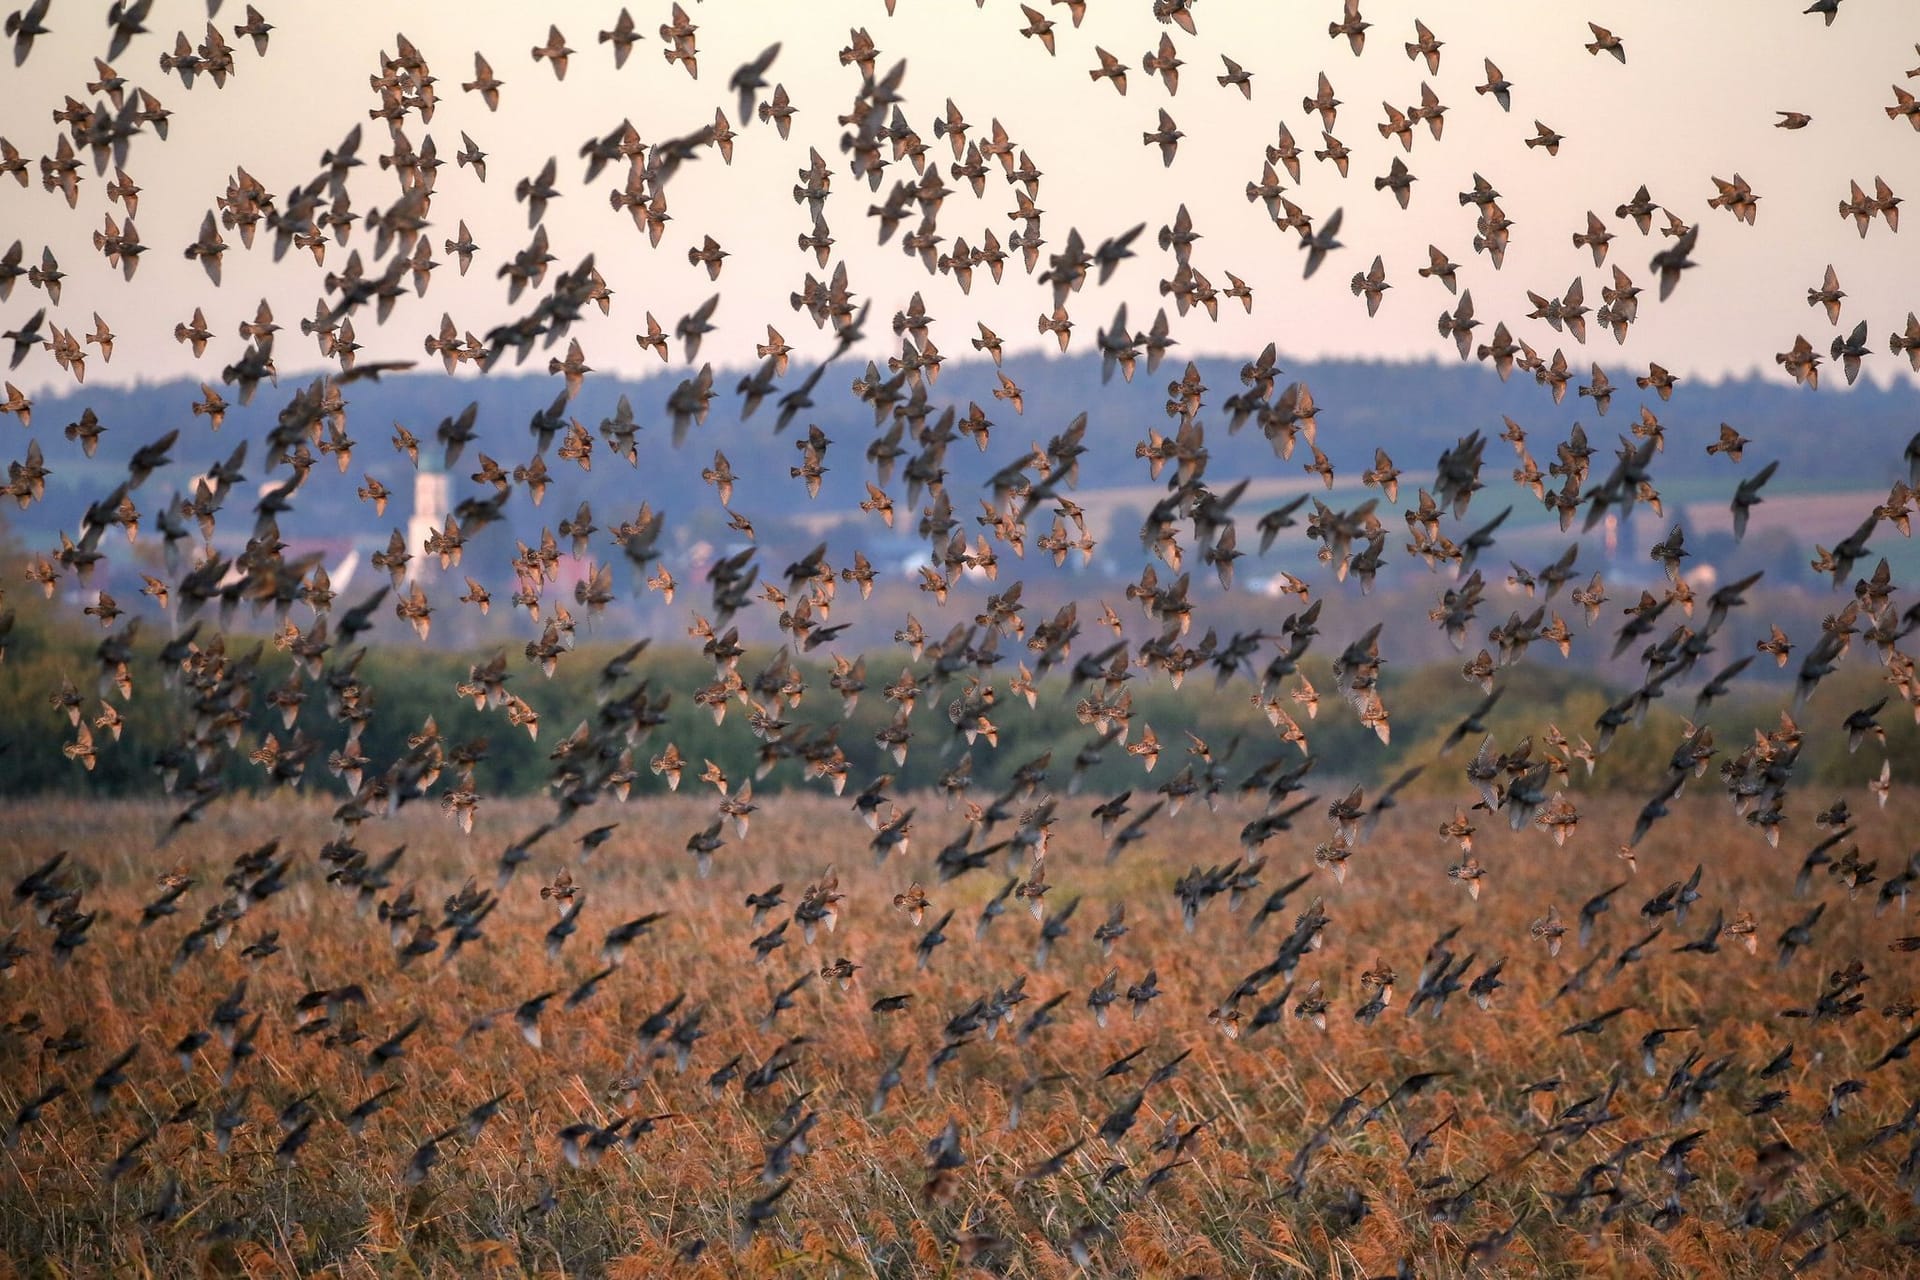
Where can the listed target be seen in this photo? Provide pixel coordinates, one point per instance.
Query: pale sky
(1695, 99)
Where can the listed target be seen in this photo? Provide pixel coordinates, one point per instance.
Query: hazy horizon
(1744, 302)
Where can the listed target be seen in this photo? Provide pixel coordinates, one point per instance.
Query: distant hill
(1415, 410)
(1829, 443)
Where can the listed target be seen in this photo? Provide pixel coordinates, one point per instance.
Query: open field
(1577, 1171)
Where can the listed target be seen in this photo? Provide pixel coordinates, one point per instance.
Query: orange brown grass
(507, 1203)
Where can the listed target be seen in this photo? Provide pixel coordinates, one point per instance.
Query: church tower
(429, 513)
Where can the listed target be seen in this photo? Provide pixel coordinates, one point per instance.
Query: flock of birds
(373, 254)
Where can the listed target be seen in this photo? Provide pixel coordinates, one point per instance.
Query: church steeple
(429, 512)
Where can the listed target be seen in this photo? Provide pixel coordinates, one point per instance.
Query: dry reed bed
(508, 1203)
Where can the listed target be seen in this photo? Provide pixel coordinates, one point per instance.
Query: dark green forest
(46, 649)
